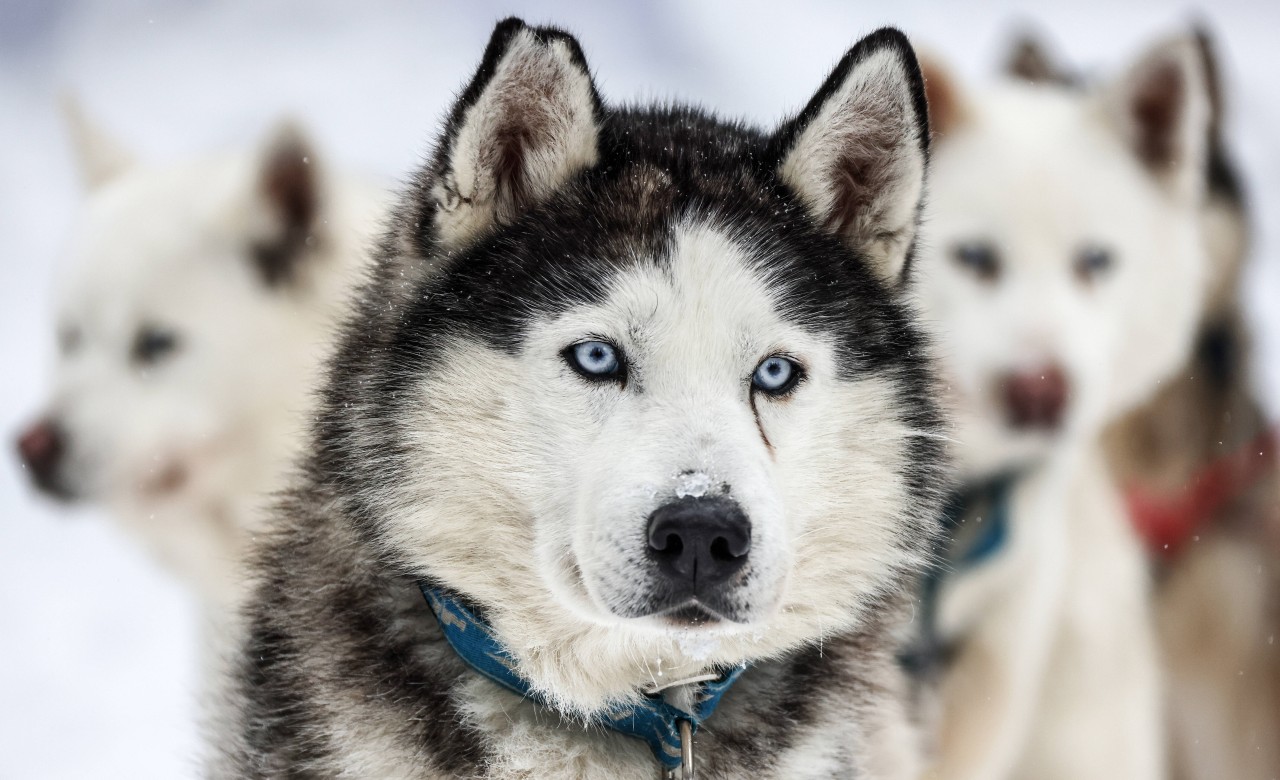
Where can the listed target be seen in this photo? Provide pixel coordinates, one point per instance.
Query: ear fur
(289, 184)
(1030, 60)
(1161, 107)
(526, 124)
(856, 155)
(99, 157)
(947, 103)
(1223, 178)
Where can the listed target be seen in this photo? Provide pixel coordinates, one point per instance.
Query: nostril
(671, 545)
(720, 550)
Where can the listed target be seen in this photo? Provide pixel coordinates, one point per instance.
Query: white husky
(195, 309)
(1064, 269)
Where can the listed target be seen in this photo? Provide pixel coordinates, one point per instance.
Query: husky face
(686, 419)
(187, 311)
(661, 405)
(1064, 260)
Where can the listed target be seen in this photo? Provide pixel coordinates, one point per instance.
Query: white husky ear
(1161, 107)
(289, 185)
(1031, 60)
(527, 123)
(856, 154)
(948, 105)
(99, 156)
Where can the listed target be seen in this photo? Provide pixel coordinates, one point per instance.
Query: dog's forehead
(705, 284)
(1037, 169)
(160, 240)
(704, 302)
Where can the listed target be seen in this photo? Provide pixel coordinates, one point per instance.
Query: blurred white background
(97, 646)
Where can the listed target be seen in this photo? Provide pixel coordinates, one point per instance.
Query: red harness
(1167, 522)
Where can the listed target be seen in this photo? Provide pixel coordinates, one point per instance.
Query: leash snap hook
(686, 755)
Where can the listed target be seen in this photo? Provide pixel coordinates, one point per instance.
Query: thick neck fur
(351, 675)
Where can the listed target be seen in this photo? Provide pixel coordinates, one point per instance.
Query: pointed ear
(526, 124)
(1030, 60)
(1213, 78)
(947, 103)
(99, 157)
(288, 183)
(1161, 108)
(1222, 177)
(856, 154)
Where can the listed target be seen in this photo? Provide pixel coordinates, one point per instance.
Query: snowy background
(97, 651)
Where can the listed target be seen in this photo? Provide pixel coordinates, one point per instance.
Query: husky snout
(1035, 399)
(698, 543)
(41, 448)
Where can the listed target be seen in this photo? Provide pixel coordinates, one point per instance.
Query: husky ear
(288, 183)
(1161, 108)
(947, 103)
(99, 157)
(526, 124)
(856, 154)
(1030, 60)
(1213, 78)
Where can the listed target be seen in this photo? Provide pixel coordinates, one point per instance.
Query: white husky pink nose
(40, 448)
(1035, 399)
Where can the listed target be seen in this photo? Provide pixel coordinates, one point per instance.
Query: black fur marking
(1218, 352)
(1222, 175)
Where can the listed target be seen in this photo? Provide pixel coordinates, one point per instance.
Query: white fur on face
(536, 485)
(1040, 175)
(187, 447)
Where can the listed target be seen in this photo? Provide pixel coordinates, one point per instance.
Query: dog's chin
(653, 617)
(167, 478)
(995, 447)
(690, 615)
(693, 616)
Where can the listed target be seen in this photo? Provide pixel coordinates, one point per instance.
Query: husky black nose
(699, 542)
(40, 448)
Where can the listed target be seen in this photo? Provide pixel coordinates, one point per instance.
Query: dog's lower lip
(691, 613)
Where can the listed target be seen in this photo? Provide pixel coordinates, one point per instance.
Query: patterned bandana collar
(652, 719)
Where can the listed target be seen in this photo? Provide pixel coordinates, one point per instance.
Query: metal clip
(686, 755)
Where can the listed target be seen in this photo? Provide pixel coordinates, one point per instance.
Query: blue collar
(986, 507)
(975, 528)
(652, 719)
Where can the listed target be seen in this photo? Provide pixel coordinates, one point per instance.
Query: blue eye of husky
(776, 375)
(595, 360)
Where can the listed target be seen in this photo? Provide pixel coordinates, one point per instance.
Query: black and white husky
(635, 401)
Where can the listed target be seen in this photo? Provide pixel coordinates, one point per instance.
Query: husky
(194, 310)
(1064, 270)
(633, 423)
(1200, 462)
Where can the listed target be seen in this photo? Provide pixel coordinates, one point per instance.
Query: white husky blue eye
(775, 375)
(595, 359)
